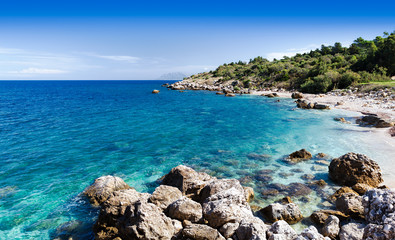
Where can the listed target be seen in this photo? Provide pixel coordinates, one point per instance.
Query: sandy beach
(385, 110)
(380, 137)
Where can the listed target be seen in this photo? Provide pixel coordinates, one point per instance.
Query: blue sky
(145, 39)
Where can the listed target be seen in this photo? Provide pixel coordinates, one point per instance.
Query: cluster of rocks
(195, 205)
(225, 89)
(309, 105)
(188, 205)
(385, 97)
(270, 95)
(372, 120)
(386, 94)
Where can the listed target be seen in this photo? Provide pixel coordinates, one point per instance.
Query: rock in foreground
(353, 168)
(196, 206)
(103, 187)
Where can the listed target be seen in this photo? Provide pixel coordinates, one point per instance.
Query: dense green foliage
(318, 71)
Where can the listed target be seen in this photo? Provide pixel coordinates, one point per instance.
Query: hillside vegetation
(319, 71)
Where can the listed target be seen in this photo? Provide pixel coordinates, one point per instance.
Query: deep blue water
(56, 137)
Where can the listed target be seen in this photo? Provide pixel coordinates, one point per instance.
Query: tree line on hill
(318, 71)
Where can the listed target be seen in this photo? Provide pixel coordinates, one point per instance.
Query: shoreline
(363, 105)
(356, 106)
(350, 103)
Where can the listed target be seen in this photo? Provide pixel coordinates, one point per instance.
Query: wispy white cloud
(129, 59)
(291, 52)
(11, 51)
(38, 71)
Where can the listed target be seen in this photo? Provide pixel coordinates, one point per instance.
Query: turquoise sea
(56, 137)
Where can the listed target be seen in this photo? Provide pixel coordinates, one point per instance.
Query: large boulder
(201, 232)
(311, 233)
(350, 204)
(319, 217)
(379, 205)
(226, 206)
(296, 95)
(251, 228)
(103, 187)
(185, 209)
(220, 185)
(114, 208)
(378, 232)
(281, 230)
(352, 231)
(353, 168)
(147, 221)
(187, 180)
(228, 229)
(375, 121)
(331, 227)
(339, 192)
(127, 214)
(289, 212)
(164, 195)
(380, 213)
(321, 106)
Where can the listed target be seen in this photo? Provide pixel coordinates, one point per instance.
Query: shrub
(347, 79)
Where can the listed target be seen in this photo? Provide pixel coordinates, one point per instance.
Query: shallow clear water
(57, 137)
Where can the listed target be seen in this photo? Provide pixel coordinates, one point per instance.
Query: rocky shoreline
(378, 106)
(194, 205)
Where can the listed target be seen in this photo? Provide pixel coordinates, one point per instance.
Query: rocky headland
(194, 205)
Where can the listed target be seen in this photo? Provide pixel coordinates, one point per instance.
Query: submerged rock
(155, 91)
(298, 189)
(261, 157)
(343, 120)
(103, 187)
(299, 156)
(353, 168)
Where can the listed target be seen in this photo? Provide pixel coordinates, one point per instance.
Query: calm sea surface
(56, 137)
